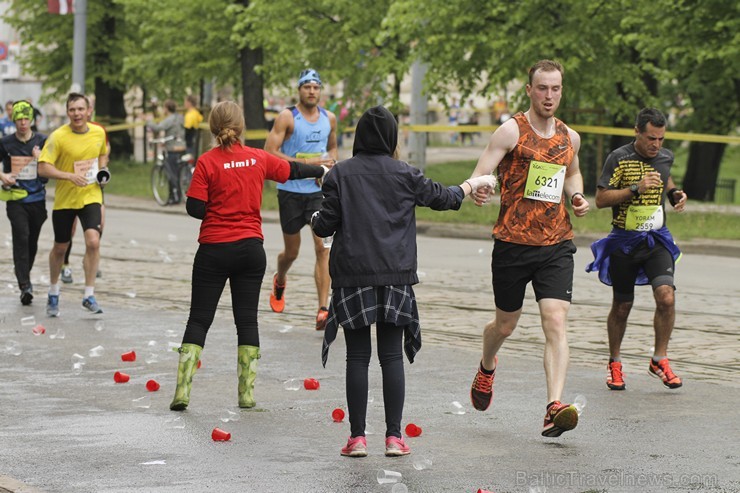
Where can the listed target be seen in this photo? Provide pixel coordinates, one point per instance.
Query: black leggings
(243, 263)
(26, 220)
(390, 354)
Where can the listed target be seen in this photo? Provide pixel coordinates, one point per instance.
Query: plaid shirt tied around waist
(353, 308)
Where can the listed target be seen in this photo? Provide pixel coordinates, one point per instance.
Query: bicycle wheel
(160, 184)
(186, 176)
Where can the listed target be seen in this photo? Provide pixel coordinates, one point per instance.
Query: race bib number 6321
(545, 182)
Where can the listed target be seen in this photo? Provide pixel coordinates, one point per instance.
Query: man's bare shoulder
(506, 135)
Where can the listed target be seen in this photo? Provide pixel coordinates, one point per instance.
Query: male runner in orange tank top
(536, 158)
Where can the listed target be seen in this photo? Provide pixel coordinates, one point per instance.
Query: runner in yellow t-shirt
(193, 119)
(73, 155)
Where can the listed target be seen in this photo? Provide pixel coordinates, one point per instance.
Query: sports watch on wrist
(635, 190)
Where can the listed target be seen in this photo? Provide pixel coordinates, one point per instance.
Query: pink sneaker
(395, 447)
(356, 447)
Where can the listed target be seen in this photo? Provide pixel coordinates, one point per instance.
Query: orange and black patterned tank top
(526, 221)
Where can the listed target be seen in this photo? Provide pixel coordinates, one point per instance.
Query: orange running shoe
(321, 317)
(481, 392)
(615, 378)
(663, 371)
(277, 300)
(559, 419)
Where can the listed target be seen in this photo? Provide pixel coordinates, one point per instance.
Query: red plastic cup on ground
(199, 364)
(39, 330)
(152, 386)
(220, 435)
(412, 430)
(337, 415)
(130, 356)
(481, 490)
(311, 384)
(119, 377)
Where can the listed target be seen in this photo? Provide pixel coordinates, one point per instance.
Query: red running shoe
(481, 392)
(559, 419)
(615, 378)
(277, 300)
(663, 371)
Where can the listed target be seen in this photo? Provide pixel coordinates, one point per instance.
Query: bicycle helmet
(308, 75)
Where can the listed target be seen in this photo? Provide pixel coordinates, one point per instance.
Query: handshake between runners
(482, 187)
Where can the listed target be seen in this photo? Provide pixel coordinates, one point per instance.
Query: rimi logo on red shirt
(240, 164)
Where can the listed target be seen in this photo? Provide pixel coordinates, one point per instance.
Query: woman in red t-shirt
(226, 193)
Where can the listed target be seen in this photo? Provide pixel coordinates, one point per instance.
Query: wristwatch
(635, 190)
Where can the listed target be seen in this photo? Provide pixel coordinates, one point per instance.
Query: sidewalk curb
(10, 485)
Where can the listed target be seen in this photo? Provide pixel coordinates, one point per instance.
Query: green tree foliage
(174, 44)
(47, 54)
(483, 45)
(344, 40)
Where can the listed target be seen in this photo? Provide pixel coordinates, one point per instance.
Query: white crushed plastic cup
(229, 415)
(399, 488)
(59, 334)
(13, 348)
(28, 320)
(385, 476)
(285, 329)
(422, 463)
(96, 352)
(293, 384)
(78, 363)
(175, 423)
(144, 402)
(99, 325)
(579, 403)
(152, 358)
(456, 408)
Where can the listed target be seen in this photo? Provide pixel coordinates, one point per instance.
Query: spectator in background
(7, 127)
(173, 126)
(193, 119)
(453, 119)
(468, 116)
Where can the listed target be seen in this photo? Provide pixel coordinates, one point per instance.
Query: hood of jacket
(376, 133)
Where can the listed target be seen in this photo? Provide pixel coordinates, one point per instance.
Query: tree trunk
(110, 110)
(254, 107)
(702, 170)
(109, 105)
(252, 89)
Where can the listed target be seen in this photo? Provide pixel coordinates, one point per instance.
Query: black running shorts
(63, 219)
(296, 209)
(657, 262)
(549, 268)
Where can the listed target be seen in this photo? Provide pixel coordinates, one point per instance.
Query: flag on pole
(61, 6)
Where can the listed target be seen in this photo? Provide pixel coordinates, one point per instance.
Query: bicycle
(160, 179)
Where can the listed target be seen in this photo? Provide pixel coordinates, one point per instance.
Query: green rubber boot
(189, 356)
(247, 371)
